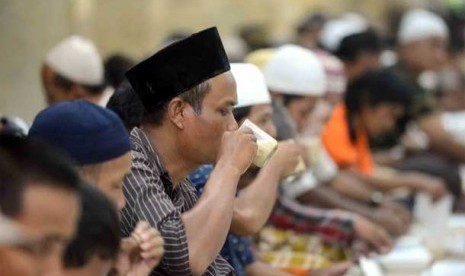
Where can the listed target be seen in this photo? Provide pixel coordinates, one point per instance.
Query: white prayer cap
(295, 70)
(336, 30)
(251, 86)
(421, 24)
(77, 59)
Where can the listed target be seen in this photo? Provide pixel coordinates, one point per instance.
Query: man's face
(51, 214)
(300, 111)
(382, 118)
(53, 93)
(426, 54)
(261, 115)
(111, 177)
(203, 132)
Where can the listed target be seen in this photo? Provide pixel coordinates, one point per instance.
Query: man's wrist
(228, 169)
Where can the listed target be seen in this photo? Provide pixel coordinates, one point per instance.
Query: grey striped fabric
(150, 196)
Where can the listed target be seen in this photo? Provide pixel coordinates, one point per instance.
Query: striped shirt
(150, 196)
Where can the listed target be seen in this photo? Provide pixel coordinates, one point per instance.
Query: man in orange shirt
(372, 106)
(345, 151)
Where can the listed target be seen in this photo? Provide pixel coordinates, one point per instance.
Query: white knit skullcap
(77, 59)
(421, 24)
(295, 70)
(251, 86)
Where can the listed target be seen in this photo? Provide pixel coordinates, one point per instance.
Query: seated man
(94, 249)
(372, 106)
(39, 193)
(351, 39)
(73, 69)
(96, 138)
(188, 94)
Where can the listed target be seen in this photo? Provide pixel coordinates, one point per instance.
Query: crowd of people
(140, 168)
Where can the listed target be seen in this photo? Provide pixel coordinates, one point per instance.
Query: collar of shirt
(140, 139)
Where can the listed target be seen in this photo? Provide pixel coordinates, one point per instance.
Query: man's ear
(176, 111)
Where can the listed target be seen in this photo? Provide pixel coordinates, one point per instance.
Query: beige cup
(266, 145)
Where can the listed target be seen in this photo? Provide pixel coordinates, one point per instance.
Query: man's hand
(402, 212)
(286, 157)
(238, 149)
(141, 252)
(375, 236)
(436, 189)
(390, 221)
(433, 186)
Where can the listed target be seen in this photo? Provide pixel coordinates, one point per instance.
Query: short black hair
(25, 162)
(241, 112)
(115, 67)
(98, 230)
(352, 46)
(373, 88)
(127, 105)
(193, 96)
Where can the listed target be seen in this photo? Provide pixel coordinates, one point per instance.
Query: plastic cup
(266, 145)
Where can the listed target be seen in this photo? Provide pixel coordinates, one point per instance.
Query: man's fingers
(383, 242)
(155, 243)
(129, 244)
(153, 254)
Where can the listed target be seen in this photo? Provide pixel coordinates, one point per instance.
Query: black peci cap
(178, 68)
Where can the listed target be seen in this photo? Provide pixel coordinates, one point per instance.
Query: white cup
(266, 145)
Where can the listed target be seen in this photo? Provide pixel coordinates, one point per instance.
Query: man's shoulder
(189, 191)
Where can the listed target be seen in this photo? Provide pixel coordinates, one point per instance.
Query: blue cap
(88, 133)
